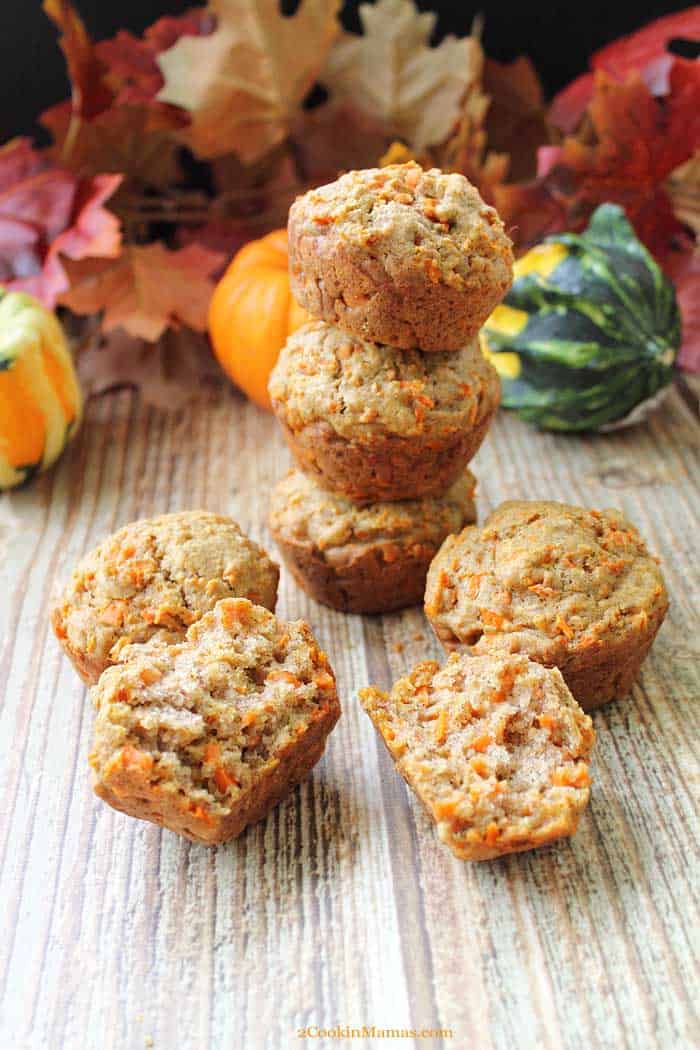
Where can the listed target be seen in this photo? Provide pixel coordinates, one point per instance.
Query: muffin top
(361, 388)
(430, 221)
(303, 512)
(495, 746)
(208, 715)
(544, 578)
(157, 576)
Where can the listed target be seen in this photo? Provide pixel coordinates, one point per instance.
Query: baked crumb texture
(495, 747)
(154, 578)
(205, 735)
(374, 422)
(569, 587)
(399, 255)
(363, 558)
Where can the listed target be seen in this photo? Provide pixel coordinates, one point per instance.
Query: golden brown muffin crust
(570, 587)
(404, 256)
(362, 389)
(495, 747)
(153, 578)
(370, 558)
(206, 734)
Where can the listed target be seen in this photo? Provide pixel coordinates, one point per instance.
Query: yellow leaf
(392, 74)
(243, 84)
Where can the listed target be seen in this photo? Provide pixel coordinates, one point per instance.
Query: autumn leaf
(683, 267)
(131, 60)
(683, 188)
(168, 374)
(90, 93)
(394, 76)
(336, 137)
(48, 215)
(243, 84)
(133, 140)
(644, 52)
(146, 290)
(630, 143)
(516, 121)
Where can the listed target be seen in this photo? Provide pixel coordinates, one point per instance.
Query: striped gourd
(587, 336)
(40, 399)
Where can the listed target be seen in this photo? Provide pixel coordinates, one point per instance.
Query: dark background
(559, 37)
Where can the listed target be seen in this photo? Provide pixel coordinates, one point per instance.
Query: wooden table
(342, 909)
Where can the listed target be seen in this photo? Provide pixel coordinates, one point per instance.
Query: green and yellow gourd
(588, 334)
(40, 399)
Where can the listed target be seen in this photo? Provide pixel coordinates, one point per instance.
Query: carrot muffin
(399, 255)
(374, 423)
(572, 588)
(495, 747)
(205, 735)
(153, 578)
(363, 559)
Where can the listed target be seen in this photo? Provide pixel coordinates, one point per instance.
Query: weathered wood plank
(342, 908)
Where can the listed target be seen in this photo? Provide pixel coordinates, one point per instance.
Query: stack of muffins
(386, 397)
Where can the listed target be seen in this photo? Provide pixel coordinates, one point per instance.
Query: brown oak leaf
(90, 91)
(134, 140)
(146, 290)
(516, 122)
(394, 76)
(168, 374)
(243, 84)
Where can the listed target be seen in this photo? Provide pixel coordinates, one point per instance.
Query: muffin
(363, 559)
(153, 578)
(372, 422)
(495, 747)
(205, 735)
(399, 255)
(572, 588)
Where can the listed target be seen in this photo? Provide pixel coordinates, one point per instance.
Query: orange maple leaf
(147, 289)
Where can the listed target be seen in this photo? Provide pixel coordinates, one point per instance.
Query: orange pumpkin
(252, 312)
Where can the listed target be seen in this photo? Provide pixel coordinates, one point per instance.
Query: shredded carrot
(324, 220)
(541, 590)
(131, 756)
(563, 627)
(441, 727)
(114, 613)
(223, 779)
(481, 742)
(200, 813)
(324, 680)
(480, 766)
(212, 752)
(149, 675)
(506, 681)
(445, 809)
(432, 270)
(492, 834)
(576, 776)
(492, 619)
(233, 613)
(283, 676)
(546, 721)
(475, 583)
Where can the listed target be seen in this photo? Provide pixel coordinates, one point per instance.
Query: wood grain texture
(342, 908)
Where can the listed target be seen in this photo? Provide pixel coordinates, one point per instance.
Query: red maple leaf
(47, 215)
(131, 60)
(645, 51)
(630, 144)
